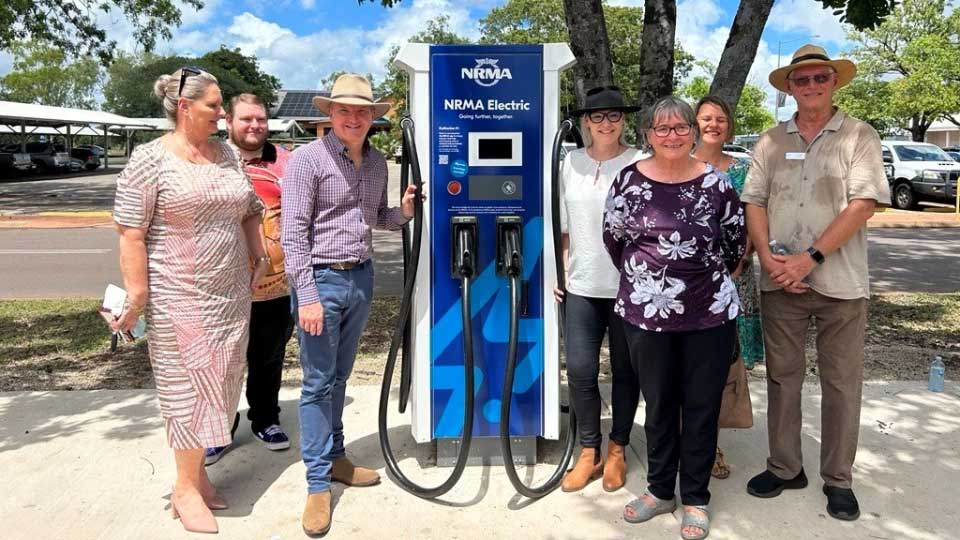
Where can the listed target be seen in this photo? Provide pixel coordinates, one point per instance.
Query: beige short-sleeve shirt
(805, 187)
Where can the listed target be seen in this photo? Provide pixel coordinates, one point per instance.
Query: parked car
(46, 156)
(736, 151)
(954, 154)
(921, 172)
(87, 157)
(12, 159)
(98, 150)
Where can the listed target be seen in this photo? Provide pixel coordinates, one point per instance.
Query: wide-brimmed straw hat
(351, 89)
(604, 98)
(812, 55)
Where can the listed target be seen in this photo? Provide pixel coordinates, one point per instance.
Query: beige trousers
(840, 328)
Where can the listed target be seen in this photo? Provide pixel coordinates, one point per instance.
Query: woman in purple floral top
(674, 227)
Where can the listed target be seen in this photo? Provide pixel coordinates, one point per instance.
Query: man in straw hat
(334, 193)
(813, 183)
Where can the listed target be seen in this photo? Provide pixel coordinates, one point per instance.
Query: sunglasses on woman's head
(820, 78)
(612, 116)
(188, 71)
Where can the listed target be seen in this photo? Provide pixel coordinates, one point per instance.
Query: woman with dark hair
(674, 228)
(717, 128)
(591, 286)
(189, 235)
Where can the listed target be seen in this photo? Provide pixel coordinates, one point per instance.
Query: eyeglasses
(187, 71)
(820, 78)
(680, 129)
(612, 116)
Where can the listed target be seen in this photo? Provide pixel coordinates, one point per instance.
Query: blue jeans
(327, 361)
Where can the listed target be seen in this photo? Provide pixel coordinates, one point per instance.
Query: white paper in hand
(113, 299)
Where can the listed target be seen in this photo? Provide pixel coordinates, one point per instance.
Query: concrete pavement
(94, 465)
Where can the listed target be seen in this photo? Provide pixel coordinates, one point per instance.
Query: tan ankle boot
(615, 469)
(347, 473)
(588, 467)
(316, 514)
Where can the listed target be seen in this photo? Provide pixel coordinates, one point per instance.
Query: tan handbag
(736, 411)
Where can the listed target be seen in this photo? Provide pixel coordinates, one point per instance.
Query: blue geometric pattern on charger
(488, 286)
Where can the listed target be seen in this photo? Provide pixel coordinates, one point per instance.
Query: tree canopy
(130, 89)
(750, 115)
(909, 74)
(72, 26)
(43, 74)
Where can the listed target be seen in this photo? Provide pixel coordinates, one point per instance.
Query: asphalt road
(38, 263)
(41, 263)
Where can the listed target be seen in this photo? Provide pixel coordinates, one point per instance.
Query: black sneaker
(767, 485)
(273, 437)
(841, 503)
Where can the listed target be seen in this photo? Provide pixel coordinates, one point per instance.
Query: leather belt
(344, 265)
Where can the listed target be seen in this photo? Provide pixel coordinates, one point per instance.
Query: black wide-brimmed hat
(604, 98)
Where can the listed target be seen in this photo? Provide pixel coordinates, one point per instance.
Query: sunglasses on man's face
(820, 78)
(188, 71)
(612, 116)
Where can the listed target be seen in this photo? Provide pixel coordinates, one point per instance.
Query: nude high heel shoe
(200, 522)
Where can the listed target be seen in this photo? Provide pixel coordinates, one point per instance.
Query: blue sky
(301, 41)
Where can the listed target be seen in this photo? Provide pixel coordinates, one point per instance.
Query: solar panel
(299, 104)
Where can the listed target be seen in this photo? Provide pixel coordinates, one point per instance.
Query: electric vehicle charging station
(479, 291)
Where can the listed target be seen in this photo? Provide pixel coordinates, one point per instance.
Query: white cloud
(302, 61)
(190, 16)
(308, 4)
(807, 17)
(404, 21)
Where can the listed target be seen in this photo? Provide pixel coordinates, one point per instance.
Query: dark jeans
(270, 328)
(682, 375)
(587, 320)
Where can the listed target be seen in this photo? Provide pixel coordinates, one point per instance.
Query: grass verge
(63, 344)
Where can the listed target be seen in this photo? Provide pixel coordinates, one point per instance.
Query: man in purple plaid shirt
(334, 193)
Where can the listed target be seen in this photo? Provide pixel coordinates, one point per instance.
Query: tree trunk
(656, 52)
(919, 124)
(587, 30)
(741, 50)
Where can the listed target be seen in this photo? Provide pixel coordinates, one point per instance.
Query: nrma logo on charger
(486, 72)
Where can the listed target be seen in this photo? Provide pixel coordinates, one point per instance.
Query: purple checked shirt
(328, 209)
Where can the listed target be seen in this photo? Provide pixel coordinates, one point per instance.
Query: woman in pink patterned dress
(188, 221)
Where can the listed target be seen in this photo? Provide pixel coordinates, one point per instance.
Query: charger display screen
(495, 149)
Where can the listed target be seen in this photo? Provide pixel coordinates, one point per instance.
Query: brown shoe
(615, 469)
(347, 473)
(316, 514)
(588, 467)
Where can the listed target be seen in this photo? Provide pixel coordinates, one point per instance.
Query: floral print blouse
(675, 245)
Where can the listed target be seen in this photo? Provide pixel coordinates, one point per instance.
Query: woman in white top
(591, 287)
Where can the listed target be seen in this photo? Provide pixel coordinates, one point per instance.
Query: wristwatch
(262, 259)
(816, 255)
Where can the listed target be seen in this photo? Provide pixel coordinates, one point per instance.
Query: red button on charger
(454, 187)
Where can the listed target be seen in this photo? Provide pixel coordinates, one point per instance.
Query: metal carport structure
(33, 116)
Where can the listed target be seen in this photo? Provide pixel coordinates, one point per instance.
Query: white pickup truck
(921, 172)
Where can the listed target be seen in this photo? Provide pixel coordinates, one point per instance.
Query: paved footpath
(94, 465)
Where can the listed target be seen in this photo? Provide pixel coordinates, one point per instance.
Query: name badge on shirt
(796, 155)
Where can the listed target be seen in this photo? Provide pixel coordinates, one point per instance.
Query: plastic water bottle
(937, 372)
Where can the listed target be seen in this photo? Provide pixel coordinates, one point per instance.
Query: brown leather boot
(316, 514)
(615, 469)
(589, 466)
(347, 473)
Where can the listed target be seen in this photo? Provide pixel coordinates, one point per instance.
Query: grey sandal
(695, 520)
(640, 512)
